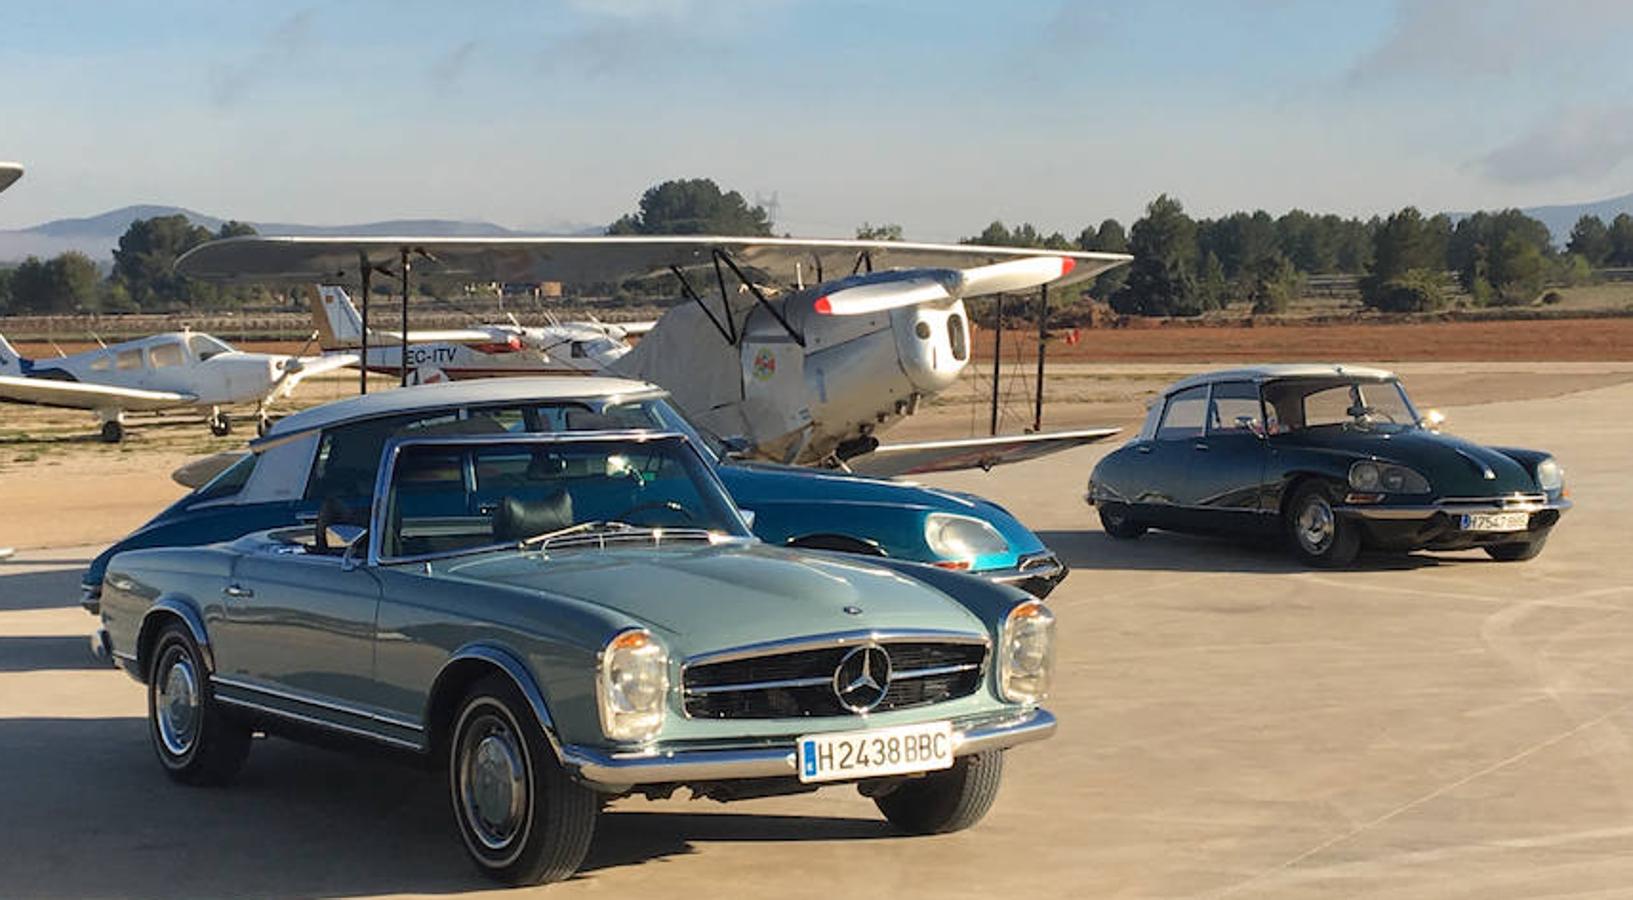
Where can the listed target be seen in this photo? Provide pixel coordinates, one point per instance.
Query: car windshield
(1300, 404)
(451, 496)
(652, 413)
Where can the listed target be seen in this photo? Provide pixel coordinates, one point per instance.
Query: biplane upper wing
(80, 395)
(924, 457)
(603, 259)
(9, 173)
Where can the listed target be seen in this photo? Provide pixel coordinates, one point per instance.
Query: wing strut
(997, 357)
(1043, 329)
(727, 329)
(721, 256)
(366, 269)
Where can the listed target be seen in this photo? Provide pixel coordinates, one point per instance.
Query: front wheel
(523, 818)
(196, 742)
(1519, 551)
(1118, 522)
(1319, 536)
(941, 802)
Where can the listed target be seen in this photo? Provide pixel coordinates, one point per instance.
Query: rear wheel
(1318, 535)
(196, 742)
(1117, 520)
(523, 818)
(112, 432)
(952, 800)
(220, 425)
(1518, 551)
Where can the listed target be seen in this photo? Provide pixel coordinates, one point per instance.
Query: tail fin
(11, 362)
(338, 323)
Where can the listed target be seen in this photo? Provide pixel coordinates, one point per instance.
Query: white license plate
(882, 751)
(1510, 521)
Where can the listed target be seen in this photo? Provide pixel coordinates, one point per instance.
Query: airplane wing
(79, 395)
(633, 329)
(9, 173)
(307, 366)
(923, 457)
(198, 473)
(599, 259)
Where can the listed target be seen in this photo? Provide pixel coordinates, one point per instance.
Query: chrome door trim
(320, 704)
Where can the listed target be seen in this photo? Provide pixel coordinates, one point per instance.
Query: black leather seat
(515, 520)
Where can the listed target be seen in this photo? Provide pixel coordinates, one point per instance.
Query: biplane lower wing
(79, 395)
(924, 457)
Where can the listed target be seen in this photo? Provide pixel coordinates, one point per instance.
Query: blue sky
(938, 115)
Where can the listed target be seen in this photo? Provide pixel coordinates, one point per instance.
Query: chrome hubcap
(493, 782)
(1315, 525)
(178, 704)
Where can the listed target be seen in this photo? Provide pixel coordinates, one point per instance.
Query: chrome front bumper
(621, 770)
(1037, 574)
(1397, 513)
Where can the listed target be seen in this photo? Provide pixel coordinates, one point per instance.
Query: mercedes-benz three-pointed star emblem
(862, 678)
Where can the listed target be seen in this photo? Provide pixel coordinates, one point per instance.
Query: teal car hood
(769, 482)
(1454, 467)
(709, 597)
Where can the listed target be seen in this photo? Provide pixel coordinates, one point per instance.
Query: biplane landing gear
(263, 424)
(220, 424)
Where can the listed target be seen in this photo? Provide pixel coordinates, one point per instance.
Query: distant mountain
(1561, 219)
(97, 236)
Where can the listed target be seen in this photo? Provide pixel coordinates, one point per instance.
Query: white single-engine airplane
(482, 351)
(165, 371)
(808, 351)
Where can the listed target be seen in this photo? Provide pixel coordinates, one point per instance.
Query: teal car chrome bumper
(621, 770)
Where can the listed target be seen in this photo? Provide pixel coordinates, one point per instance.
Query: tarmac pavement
(1232, 724)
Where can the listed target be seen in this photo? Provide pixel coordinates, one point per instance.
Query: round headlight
(1365, 476)
(1550, 475)
(1026, 653)
(633, 685)
(961, 537)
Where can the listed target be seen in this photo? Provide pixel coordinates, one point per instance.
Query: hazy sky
(939, 115)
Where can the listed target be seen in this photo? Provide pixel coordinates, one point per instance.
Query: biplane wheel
(112, 432)
(221, 425)
(262, 426)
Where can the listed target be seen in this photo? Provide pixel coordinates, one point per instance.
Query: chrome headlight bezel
(957, 537)
(632, 685)
(1026, 653)
(1378, 477)
(1550, 475)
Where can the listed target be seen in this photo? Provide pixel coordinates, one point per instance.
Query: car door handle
(1199, 446)
(238, 591)
(306, 518)
(486, 509)
(1144, 448)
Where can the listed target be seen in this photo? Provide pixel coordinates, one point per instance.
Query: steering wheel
(669, 506)
(1368, 412)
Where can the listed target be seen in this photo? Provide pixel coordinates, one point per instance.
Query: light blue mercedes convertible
(559, 619)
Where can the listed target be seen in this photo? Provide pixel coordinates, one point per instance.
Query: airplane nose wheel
(112, 432)
(220, 424)
(263, 425)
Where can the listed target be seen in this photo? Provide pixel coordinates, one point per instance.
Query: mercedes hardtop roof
(476, 391)
(1279, 372)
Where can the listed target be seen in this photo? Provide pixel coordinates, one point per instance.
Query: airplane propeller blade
(1015, 275)
(883, 295)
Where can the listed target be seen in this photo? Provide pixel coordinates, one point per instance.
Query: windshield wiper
(599, 525)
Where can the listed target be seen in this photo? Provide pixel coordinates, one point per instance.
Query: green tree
(1108, 238)
(235, 228)
(1162, 279)
(5, 289)
(1500, 256)
(1621, 240)
(1271, 284)
(145, 260)
(66, 283)
(1590, 239)
(1024, 235)
(694, 206)
(881, 232)
(1408, 252)
(1517, 269)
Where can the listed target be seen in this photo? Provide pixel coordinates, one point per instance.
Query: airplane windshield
(454, 497)
(205, 346)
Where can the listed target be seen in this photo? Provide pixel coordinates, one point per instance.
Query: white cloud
(1461, 39)
(1582, 143)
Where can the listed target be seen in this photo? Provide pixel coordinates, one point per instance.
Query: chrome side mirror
(748, 517)
(1433, 419)
(737, 446)
(359, 539)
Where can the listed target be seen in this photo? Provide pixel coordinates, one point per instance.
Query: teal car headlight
(1550, 475)
(1377, 477)
(961, 537)
(632, 685)
(1026, 653)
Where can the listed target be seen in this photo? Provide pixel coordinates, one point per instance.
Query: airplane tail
(338, 322)
(11, 362)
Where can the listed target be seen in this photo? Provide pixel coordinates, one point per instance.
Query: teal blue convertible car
(1336, 458)
(559, 619)
(329, 453)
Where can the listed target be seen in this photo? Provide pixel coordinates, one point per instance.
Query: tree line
(1182, 266)
(141, 279)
